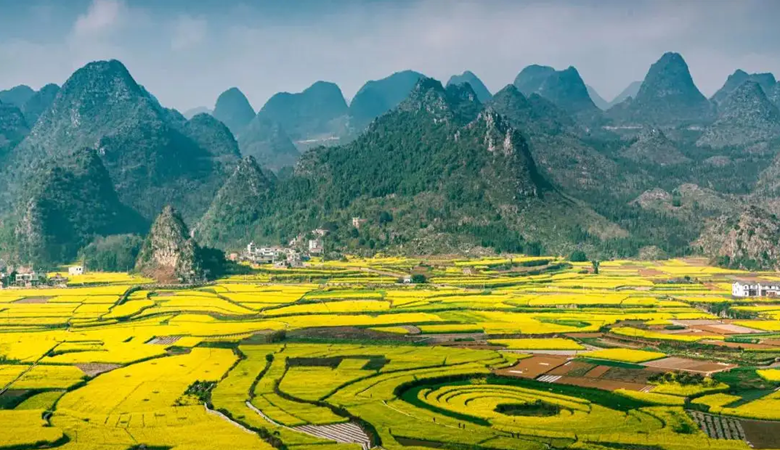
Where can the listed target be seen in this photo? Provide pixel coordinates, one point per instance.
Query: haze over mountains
(542, 164)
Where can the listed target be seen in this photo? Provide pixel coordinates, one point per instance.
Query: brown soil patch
(571, 368)
(689, 365)
(411, 329)
(95, 369)
(650, 272)
(626, 375)
(346, 333)
(164, 340)
(533, 367)
(697, 262)
(724, 329)
(33, 300)
(597, 372)
(584, 335)
(606, 385)
(771, 342)
(761, 434)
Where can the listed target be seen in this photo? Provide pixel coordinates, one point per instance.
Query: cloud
(101, 16)
(188, 31)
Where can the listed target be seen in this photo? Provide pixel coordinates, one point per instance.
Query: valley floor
(501, 353)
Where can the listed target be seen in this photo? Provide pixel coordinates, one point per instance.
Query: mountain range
(537, 166)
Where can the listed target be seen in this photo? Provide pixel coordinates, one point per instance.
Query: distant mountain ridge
(667, 96)
(597, 99)
(629, 92)
(483, 94)
(319, 110)
(765, 80)
(745, 116)
(233, 109)
(565, 88)
(376, 97)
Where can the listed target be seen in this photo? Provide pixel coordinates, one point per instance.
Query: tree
(418, 278)
(385, 218)
(578, 256)
(596, 265)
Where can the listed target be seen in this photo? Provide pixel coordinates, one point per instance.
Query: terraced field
(500, 353)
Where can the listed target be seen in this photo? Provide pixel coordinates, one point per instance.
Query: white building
(315, 246)
(75, 270)
(742, 290)
(262, 254)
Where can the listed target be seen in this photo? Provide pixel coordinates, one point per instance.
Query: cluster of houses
(280, 256)
(27, 277)
(743, 290)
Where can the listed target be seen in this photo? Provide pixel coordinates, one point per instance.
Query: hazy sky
(188, 51)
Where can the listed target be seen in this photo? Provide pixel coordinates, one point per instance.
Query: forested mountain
(438, 173)
(483, 94)
(153, 155)
(556, 141)
(426, 168)
(237, 206)
(65, 204)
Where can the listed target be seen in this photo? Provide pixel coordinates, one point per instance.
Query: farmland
(500, 353)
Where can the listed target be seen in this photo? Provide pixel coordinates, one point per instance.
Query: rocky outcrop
(169, 254)
(750, 241)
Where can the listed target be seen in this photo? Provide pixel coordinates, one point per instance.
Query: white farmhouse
(744, 290)
(262, 254)
(75, 270)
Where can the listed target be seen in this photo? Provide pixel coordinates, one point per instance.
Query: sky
(187, 52)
